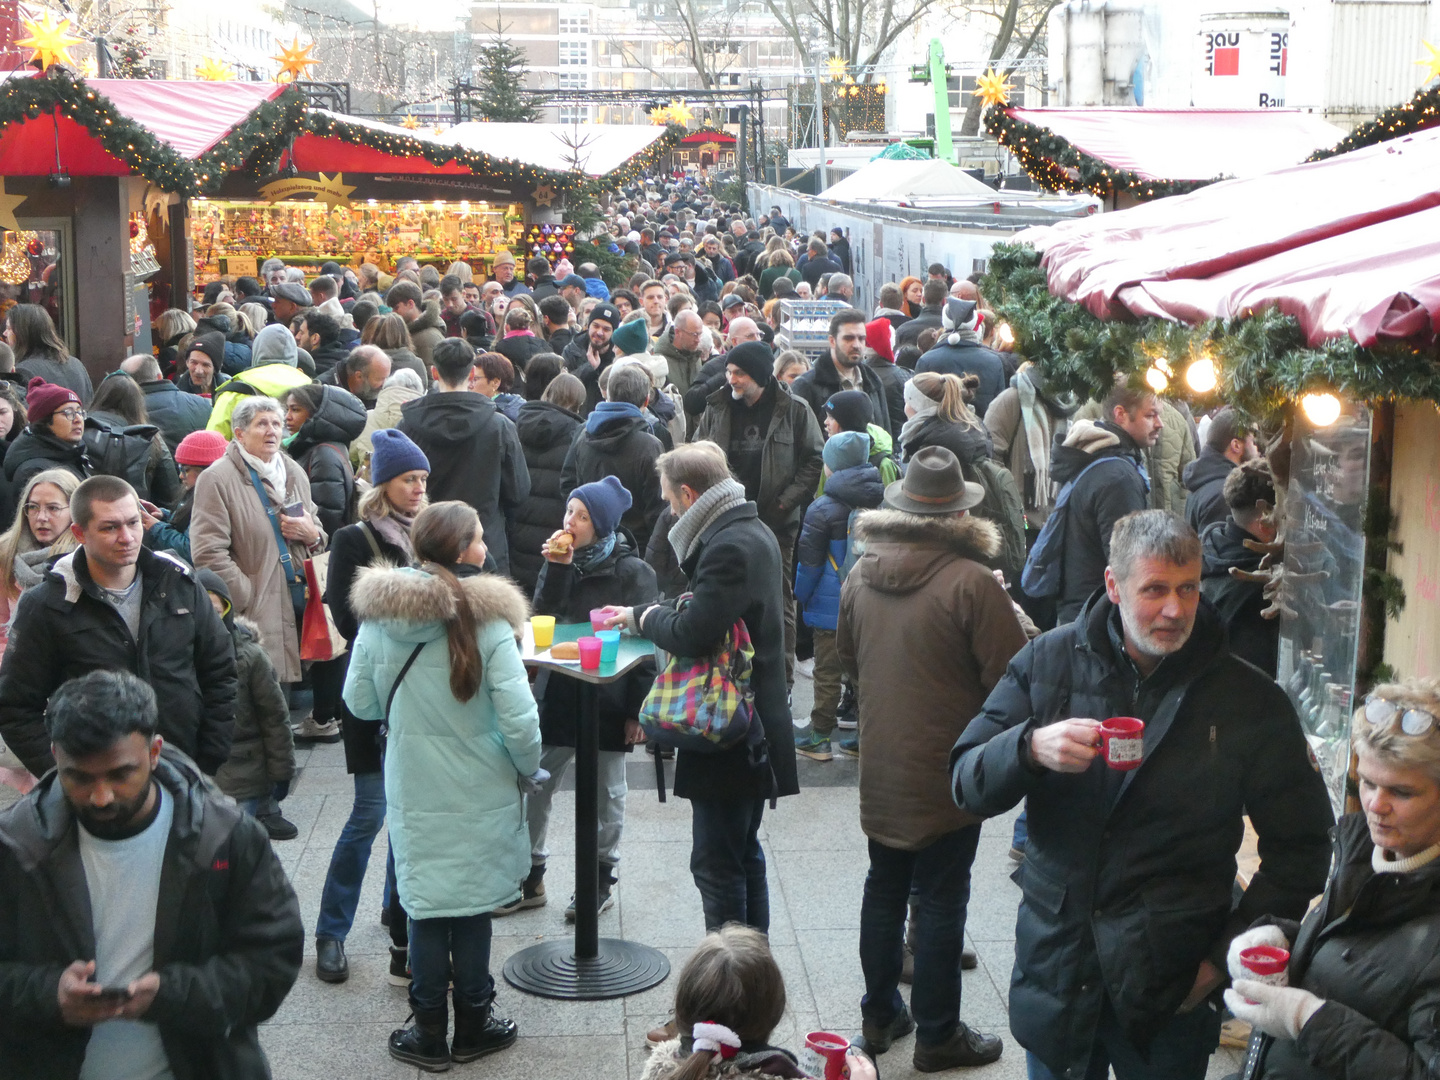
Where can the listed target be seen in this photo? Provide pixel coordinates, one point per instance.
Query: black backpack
(120, 450)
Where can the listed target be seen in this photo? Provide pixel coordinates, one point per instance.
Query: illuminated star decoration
(680, 112)
(438, 129)
(660, 115)
(89, 67)
(544, 195)
(992, 89)
(410, 122)
(212, 70)
(333, 191)
(293, 60)
(49, 40)
(8, 203)
(835, 68)
(1433, 62)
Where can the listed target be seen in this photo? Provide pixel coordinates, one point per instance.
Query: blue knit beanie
(846, 449)
(394, 455)
(607, 500)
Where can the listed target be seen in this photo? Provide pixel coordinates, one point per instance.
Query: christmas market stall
(1309, 297)
(706, 149)
(92, 178)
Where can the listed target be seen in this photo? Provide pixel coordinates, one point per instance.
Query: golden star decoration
(1432, 62)
(835, 68)
(411, 123)
(50, 40)
(8, 203)
(294, 59)
(680, 112)
(544, 195)
(89, 67)
(992, 89)
(213, 70)
(660, 115)
(439, 129)
(333, 191)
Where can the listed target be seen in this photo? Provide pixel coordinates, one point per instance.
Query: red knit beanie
(880, 336)
(200, 448)
(42, 399)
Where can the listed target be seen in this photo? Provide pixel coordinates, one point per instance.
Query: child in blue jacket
(851, 483)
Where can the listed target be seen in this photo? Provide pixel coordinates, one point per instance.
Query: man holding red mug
(1121, 939)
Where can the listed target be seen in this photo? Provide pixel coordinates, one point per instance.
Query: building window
(732, 116)
(573, 80)
(574, 25)
(574, 54)
(574, 114)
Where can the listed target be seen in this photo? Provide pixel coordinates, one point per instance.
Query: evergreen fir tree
(500, 78)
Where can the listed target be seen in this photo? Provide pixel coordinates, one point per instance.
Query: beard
(117, 820)
(1156, 646)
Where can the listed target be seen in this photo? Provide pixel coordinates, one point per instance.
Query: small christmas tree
(500, 78)
(131, 55)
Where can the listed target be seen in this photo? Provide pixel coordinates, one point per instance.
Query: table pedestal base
(550, 969)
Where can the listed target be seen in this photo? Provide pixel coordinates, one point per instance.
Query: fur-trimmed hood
(901, 551)
(402, 596)
(245, 627)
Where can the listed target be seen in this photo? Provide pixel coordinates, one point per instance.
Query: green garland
(1263, 360)
(258, 143)
(1421, 111)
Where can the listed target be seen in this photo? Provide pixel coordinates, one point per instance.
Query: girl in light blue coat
(463, 728)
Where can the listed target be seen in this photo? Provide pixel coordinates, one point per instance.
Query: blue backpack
(1044, 566)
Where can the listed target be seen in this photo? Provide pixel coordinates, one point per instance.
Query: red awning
(190, 116)
(1348, 246)
(316, 153)
(700, 138)
(1189, 144)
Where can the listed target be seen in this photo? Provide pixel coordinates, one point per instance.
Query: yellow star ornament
(1432, 62)
(8, 203)
(660, 115)
(410, 123)
(333, 191)
(835, 68)
(544, 195)
(680, 112)
(294, 59)
(992, 89)
(50, 41)
(212, 70)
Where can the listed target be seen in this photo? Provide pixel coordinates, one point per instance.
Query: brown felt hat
(933, 484)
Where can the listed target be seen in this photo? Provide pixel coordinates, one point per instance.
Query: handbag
(705, 704)
(319, 640)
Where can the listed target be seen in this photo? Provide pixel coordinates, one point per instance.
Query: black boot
(423, 1042)
(480, 1030)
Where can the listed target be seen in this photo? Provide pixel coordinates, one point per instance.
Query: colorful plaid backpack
(705, 704)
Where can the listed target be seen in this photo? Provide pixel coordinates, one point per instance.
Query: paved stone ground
(817, 859)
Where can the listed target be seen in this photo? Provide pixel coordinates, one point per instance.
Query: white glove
(1280, 1011)
(1259, 935)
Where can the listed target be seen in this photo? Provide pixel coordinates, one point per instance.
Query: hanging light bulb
(1322, 410)
(1202, 376)
(1157, 378)
(1004, 334)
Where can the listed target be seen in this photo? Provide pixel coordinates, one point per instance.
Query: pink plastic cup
(589, 653)
(597, 619)
(1123, 739)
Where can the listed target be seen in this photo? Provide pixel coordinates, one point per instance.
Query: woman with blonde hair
(172, 328)
(778, 263)
(938, 414)
(1361, 994)
(462, 270)
(40, 532)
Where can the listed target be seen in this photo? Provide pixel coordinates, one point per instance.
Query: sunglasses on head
(1382, 713)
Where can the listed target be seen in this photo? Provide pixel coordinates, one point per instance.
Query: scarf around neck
(592, 555)
(925, 407)
(724, 496)
(1037, 436)
(271, 472)
(394, 528)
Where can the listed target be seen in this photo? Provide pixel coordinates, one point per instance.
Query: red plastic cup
(824, 1055)
(1266, 961)
(589, 653)
(597, 619)
(1123, 739)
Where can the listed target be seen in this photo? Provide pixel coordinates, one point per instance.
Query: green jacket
(456, 816)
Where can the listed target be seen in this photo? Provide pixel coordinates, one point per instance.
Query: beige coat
(385, 414)
(231, 534)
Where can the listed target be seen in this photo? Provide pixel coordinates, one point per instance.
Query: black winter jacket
(660, 557)
(36, 449)
(893, 378)
(708, 379)
(1127, 877)
(173, 411)
(1205, 478)
(228, 936)
(326, 356)
(909, 332)
(623, 448)
(133, 452)
(519, 348)
(69, 373)
(546, 432)
(64, 628)
(969, 444)
(263, 751)
(1368, 949)
(1238, 603)
(969, 358)
(322, 448)
(821, 382)
(1101, 498)
(577, 362)
(570, 595)
(735, 573)
(475, 456)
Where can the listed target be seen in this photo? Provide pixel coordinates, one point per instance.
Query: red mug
(824, 1056)
(1267, 962)
(1123, 742)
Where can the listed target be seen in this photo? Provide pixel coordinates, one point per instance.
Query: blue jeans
(940, 874)
(442, 949)
(727, 863)
(1022, 832)
(351, 858)
(1181, 1051)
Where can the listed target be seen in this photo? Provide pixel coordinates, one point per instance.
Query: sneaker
(878, 1037)
(662, 1034)
(399, 966)
(966, 1048)
(607, 893)
(815, 747)
(847, 722)
(849, 747)
(310, 731)
(532, 893)
(848, 715)
(1017, 855)
(278, 827)
(805, 669)
(969, 960)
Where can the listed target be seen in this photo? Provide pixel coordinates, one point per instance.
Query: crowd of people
(975, 570)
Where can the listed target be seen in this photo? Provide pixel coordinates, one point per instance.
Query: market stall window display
(232, 238)
(30, 273)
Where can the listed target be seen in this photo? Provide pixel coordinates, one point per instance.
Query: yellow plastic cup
(543, 627)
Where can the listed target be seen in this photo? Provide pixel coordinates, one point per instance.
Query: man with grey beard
(1129, 867)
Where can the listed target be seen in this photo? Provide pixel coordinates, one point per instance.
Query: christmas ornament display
(294, 60)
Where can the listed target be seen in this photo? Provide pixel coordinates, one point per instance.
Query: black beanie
(755, 359)
(851, 409)
(212, 344)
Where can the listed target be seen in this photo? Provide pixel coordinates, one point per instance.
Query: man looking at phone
(1126, 916)
(146, 926)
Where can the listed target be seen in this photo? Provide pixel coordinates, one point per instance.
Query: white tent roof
(901, 181)
(599, 148)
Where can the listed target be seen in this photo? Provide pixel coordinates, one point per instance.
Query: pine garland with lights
(1420, 112)
(1264, 362)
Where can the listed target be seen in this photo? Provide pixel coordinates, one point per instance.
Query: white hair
(406, 378)
(250, 407)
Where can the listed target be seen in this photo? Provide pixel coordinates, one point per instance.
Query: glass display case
(33, 271)
(1325, 569)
